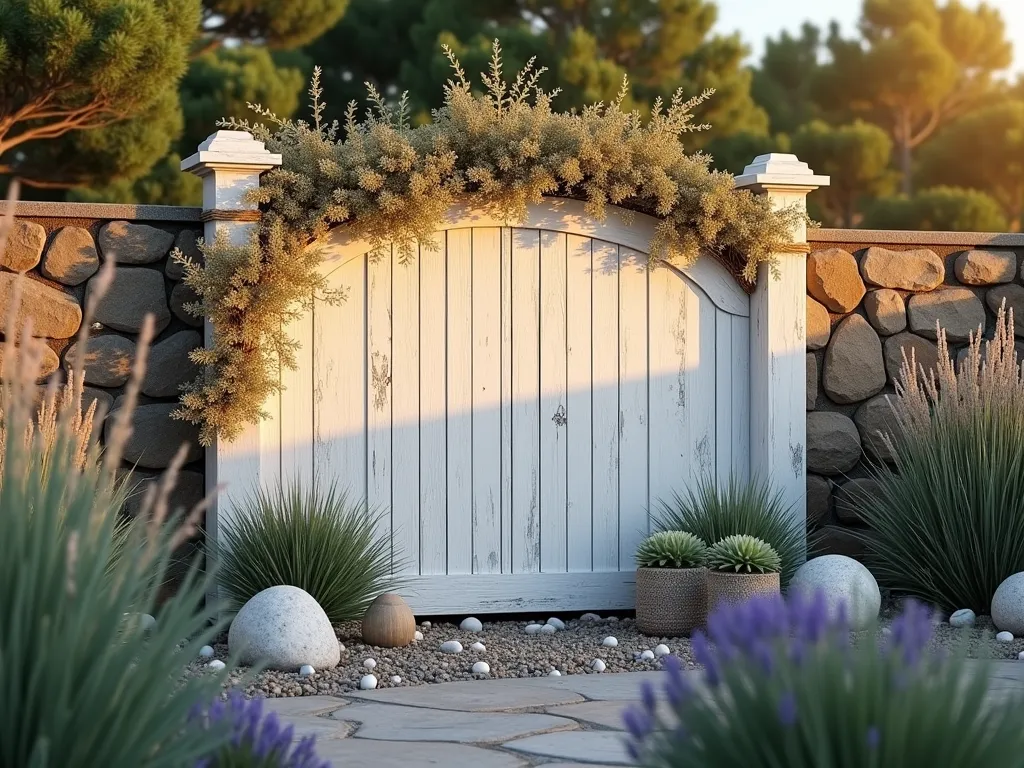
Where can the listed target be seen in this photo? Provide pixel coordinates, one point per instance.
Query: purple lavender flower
(787, 710)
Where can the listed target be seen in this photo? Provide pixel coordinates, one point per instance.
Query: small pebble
(367, 683)
(478, 647)
(341, 647)
(417, 635)
(556, 673)
(215, 664)
(306, 670)
(471, 624)
(147, 622)
(425, 625)
(1020, 656)
(661, 650)
(206, 652)
(590, 617)
(886, 631)
(609, 642)
(532, 629)
(451, 646)
(598, 665)
(396, 679)
(548, 629)
(647, 655)
(370, 664)
(1004, 637)
(963, 618)
(556, 623)
(481, 668)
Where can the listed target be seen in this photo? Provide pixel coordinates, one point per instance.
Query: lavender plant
(257, 741)
(784, 685)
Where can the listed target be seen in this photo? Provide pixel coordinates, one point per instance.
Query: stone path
(558, 722)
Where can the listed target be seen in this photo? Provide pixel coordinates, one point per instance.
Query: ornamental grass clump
(783, 685)
(671, 549)
(310, 536)
(391, 182)
(946, 522)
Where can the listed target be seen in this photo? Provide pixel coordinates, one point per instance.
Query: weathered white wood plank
(579, 446)
(339, 384)
(633, 422)
(725, 359)
(701, 414)
(378, 388)
(487, 400)
(297, 404)
(553, 407)
(405, 413)
(433, 483)
(525, 401)
(605, 430)
(740, 440)
(460, 401)
(506, 400)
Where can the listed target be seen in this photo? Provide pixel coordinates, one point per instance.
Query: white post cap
(230, 150)
(779, 170)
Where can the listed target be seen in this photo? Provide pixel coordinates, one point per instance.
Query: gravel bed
(511, 653)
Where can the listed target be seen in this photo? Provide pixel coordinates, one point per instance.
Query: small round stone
(206, 652)
(147, 622)
(661, 650)
(590, 617)
(647, 655)
(1004, 637)
(609, 642)
(548, 629)
(478, 647)
(556, 673)
(396, 679)
(341, 647)
(306, 670)
(532, 629)
(417, 635)
(215, 664)
(426, 625)
(451, 646)
(481, 668)
(1020, 656)
(963, 618)
(597, 665)
(471, 624)
(367, 683)
(556, 623)
(842, 581)
(886, 631)
(370, 664)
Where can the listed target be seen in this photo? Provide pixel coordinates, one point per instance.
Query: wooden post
(230, 163)
(778, 339)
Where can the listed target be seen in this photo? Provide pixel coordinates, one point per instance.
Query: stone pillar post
(778, 339)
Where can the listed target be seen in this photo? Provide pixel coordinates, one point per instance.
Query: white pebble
(548, 629)
(215, 664)
(590, 617)
(556, 623)
(341, 647)
(417, 635)
(963, 618)
(481, 668)
(451, 646)
(661, 650)
(306, 670)
(1020, 656)
(370, 664)
(609, 642)
(647, 655)
(147, 622)
(367, 683)
(1004, 637)
(471, 624)
(396, 679)
(886, 631)
(206, 652)
(478, 647)
(556, 673)
(532, 629)
(598, 665)
(425, 625)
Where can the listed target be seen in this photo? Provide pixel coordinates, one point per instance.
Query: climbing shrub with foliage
(390, 182)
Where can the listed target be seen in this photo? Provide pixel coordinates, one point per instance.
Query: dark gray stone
(54, 314)
(129, 243)
(108, 360)
(25, 244)
(873, 419)
(71, 258)
(103, 399)
(886, 311)
(919, 269)
(186, 494)
(926, 354)
(854, 369)
(985, 267)
(169, 366)
(133, 294)
(957, 310)
(819, 499)
(186, 243)
(812, 381)
(851, 497)
(180, 296)
(156, 437)
(1013, 296)
(835, 540)
(833, 443)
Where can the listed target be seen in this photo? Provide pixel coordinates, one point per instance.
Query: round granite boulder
(842, 581)
(1008, 605)
(285, 628)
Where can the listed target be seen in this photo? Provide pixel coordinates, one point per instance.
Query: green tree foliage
(856, 157)
(941, 208)
(918, 65)
(281, 24)
(734, 153)
(982, 150)
(783, 83)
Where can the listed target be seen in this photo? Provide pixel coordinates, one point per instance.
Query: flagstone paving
(558, 722)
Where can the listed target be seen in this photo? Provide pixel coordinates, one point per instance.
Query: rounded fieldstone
(833, 443)
(851, 497)
(812, 381)
(108, 360)
(834, 280)
(471, 624)
(71, 258)
(956, 310)
(132, 295)
(874, 419)
(819, 498)
(925, 354)
(854, 369)
(843, 582)
(919, 269)
(129, 243)
(186, 243)
(886, 311)
(156, 436)
(189, 490)
(985, 267)
(283, 627)
(55, 314)
(836, 540)
(1013, 297)
(1008, 604)
(169, 365)
(104, 400)
(965, 617)
(181, 295)
(819, 325)
(48, 362)
(25, 244)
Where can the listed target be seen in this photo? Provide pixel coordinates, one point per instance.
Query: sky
(757, 19)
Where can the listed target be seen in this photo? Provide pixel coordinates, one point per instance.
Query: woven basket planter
(728, 587)
(670, 602)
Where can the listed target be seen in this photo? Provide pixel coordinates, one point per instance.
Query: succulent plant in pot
(671, 584)
(740, 567)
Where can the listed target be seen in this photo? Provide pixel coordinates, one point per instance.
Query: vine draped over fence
(390, 182)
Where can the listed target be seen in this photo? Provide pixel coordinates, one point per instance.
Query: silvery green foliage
(743, 554)
(671, 549)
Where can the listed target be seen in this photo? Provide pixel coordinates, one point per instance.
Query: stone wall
(60, 248)
(872, 294)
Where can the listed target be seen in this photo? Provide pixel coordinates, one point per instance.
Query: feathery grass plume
(783, 685)
(390, 182)
(946, 522)
(309, 536)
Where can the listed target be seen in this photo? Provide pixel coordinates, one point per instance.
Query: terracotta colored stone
(25, 244)
(957, 310)
(54, 314)
(874, 419)
(834, 280)
(812, 381)
(819, 325)
(71, 258)
(819, 499)
(926, 354)
(919, 269)
(854, 369)
(833, 443)
(886, 311)
(1013, 295)
(985, 267)
(851, 497)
